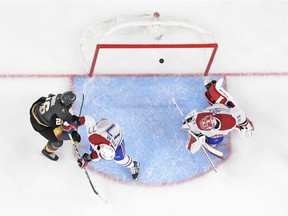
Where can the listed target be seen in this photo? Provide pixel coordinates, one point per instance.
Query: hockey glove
(84, 160)
(246, 128)
(75, 118)
(76, 136)
(78, 120)
(186, 121)
(69, 127)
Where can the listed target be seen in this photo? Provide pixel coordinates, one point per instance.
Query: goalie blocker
(194, 144)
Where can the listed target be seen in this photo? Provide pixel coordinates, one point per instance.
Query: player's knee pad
(54, 145)
(120, 152)
(214, 140)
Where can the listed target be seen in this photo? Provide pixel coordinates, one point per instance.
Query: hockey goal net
(147, 44)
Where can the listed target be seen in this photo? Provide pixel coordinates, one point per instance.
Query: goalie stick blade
(173, 100)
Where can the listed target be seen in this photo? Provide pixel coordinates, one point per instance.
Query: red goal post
(147, 44)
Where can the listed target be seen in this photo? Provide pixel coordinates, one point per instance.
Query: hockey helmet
(67, 98)
(107, 152)
(209, 122)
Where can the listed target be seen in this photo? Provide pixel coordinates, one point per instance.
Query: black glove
(83, 161)
(79, 120)
(76, 136)
(75, 119)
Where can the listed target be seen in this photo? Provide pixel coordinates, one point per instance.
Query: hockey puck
(161, 60)
(156, 14)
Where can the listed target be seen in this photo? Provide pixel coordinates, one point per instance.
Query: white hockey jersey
(214, 121)
(104, 136)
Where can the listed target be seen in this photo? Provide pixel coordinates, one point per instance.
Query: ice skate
(51, 156)
(135, 170)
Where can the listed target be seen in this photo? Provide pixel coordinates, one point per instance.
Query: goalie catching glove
(246, 128)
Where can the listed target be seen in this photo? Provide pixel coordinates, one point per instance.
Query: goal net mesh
(147, 44)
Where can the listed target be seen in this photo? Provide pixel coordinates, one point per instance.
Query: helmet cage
(209, 122)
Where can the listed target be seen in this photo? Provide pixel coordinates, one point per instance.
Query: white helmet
(107, 152)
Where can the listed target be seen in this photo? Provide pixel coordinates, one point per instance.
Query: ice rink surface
(39, 54)
(151, 124)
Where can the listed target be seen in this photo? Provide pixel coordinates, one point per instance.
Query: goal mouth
(147, 44)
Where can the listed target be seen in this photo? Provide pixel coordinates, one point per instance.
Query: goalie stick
(190, 132)
(78, 154)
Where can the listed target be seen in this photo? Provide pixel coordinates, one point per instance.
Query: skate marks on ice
(152, 127)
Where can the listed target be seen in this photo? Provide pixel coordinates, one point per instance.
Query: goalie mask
(208, 122)
(107, 152)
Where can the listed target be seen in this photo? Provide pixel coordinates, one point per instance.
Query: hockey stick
(78, 154)
(81, 107)
(86, 172)
(190, 132)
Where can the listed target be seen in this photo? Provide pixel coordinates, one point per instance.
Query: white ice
(42, 38)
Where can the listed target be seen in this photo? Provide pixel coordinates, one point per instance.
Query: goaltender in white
(208, 127)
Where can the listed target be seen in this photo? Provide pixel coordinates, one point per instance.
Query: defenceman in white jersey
(106, 142)
(213, 123)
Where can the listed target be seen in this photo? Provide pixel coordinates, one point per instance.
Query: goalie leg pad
(215, 94)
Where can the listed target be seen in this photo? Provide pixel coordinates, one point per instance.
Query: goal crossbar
(214, 47)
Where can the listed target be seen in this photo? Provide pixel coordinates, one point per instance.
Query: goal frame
(99, 47)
